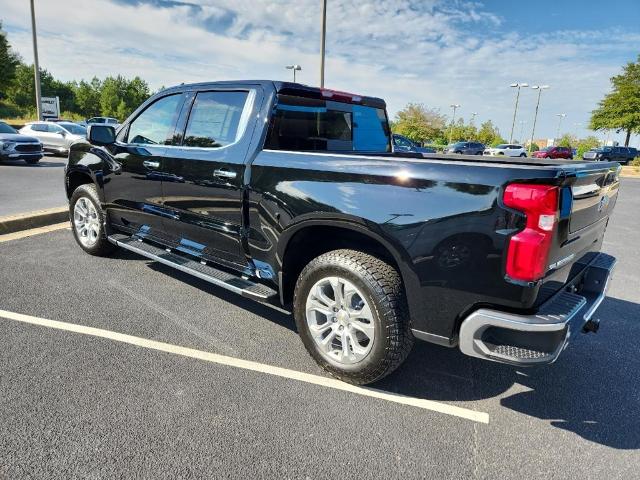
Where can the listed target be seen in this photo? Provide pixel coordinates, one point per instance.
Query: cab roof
(289, 88)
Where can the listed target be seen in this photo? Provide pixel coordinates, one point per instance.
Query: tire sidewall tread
(382, 285)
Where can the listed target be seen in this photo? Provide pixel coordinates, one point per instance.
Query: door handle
(151, 164)
(222, 173)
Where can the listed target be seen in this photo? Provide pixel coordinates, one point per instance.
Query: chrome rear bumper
(538, 338)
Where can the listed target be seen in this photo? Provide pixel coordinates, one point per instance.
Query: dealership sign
(50, 107)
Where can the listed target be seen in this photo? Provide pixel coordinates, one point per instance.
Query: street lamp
(560, 117)
(540, 88)
(455, 106)
(522, 124)
(515, 110)
(323, 35)
(294, 68)
(36, 64)
(473, 116)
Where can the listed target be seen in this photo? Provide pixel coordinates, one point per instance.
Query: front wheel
(87, 221)
(351, 313)
(32, 161)
(523, 154)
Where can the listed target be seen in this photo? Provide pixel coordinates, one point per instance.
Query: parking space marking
(444, 408)
(33, 231)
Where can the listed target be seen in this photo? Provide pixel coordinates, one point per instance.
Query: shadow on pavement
(40, 164)
(592, 390)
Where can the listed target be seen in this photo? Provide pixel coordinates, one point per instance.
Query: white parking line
(480, 417)
(33, 231)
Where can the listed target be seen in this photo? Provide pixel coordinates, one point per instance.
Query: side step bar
(220, 278)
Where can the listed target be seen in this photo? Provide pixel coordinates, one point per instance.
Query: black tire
(523, 154)
(382, 286)
(102, 247)
(32, 161)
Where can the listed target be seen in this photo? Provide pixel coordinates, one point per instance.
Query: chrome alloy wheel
(86, 222)
(340, 320)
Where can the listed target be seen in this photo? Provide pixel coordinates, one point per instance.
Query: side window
(38, 127)
(53, 128)
(401, 142)
(215, 119)
(156, 124)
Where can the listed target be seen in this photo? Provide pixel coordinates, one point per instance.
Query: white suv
(508, 149)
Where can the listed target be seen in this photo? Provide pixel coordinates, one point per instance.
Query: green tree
(489, 134)
(620, 108)
(567, 140)
(88, 97)
(461, 131)
(419, 123)
(586, 144)
(9, 61)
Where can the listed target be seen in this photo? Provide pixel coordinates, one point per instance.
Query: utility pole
(560, 117)
(322, 41)
(515, 110)
(535, 117)
(455, 106)
(36, 64)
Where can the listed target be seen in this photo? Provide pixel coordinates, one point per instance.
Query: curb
(630, 171)
(38, 218)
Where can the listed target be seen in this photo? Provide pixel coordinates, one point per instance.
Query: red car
(554, 152)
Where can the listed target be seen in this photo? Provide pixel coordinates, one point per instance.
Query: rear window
(307, 124)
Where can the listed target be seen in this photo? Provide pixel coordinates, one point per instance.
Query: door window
(215, 119)
(401, 142)
(39, 127)
(53, 128)
(157, 123)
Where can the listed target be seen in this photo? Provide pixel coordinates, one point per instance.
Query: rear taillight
(528, 250)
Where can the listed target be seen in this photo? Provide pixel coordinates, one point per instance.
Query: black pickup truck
(291, 195)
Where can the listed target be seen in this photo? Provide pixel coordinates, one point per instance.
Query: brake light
(528, 250)
(340, 96)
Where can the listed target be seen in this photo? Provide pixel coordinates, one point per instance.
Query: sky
(435, 52)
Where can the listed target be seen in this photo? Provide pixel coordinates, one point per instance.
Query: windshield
(502, 145)
(4, 128)
(546, 149)
(73, 128)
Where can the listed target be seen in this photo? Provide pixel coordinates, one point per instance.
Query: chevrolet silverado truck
(292, 196)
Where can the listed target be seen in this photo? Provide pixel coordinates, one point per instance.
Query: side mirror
(101, 134)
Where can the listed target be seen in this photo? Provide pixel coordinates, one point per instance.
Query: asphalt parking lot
(24, 188)
(75, 404)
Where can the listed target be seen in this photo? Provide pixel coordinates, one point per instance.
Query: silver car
(55, 137)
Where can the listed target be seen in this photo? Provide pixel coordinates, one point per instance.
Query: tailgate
(591, 195)
(587, 198)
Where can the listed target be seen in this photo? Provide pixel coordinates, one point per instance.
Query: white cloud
(402, 50)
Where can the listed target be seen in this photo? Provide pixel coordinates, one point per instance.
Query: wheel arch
(306, 240)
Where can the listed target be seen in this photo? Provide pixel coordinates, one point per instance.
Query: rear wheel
(351, 314)
(523, 154)
(87, 221)
(32, 161)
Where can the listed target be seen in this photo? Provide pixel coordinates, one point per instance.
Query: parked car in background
(508, 149)
(554, 152)
(55, 137)
(465, 148)
(404, 144)
(103, 120)
(622, 155)
(15, 146)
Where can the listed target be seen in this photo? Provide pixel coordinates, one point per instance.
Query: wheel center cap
(343, 317)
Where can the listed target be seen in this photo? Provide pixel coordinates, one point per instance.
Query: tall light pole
(322, 41)
(455, 106)
(473, 116)
(522, 124)
(540, 88)
(560, 117)
(36, 64)
(515, 110)
(295, 68)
